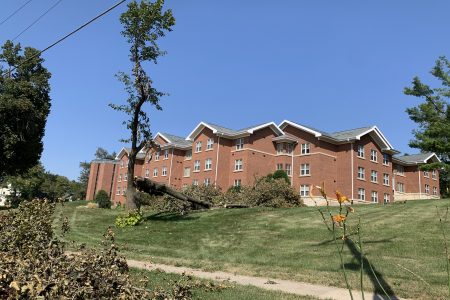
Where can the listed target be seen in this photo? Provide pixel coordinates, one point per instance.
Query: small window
(361, 173)
(400, 187)
(196, 166)
(426, 174)
(304, 170)
(386, 198)
(289, 148)
(305, 148)
(208, 164)
(164, 171)
(188, 155)
(362, 194)
(121, 164)
(125, 177)
(187, 172)
(198, 146)
(374, 197)
(304, 190)
(124, 191)
(385, 159)
(120, 178)
(237, 182)
(373, 155)
(118, 191)
(239, 143)
(147, 173)
(195, 182)
(386, 179)
(238, 165)
(166, 154)
(400, 170)
(279, 148)
(427, 189)
(288, 169)
(434, 174)
(157, 155)
(360, 151)
(155, 172)
(435, 191)
(209, 144)
(374, 176)
(279, 166)
(207, 181)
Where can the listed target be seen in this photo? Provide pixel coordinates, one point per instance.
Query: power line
(37, 20)
(15, 12)
(69, 34)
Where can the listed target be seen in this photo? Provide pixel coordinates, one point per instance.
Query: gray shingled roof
(177, 141)
(348, 134)
(222, 129)
(414, 158)
(138, 156)
(106, 161)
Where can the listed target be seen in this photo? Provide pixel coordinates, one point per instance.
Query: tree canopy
(24, 107)
(433, 118)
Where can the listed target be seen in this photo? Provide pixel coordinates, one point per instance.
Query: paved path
(287, 286)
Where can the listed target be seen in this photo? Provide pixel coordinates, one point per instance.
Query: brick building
(358, 162)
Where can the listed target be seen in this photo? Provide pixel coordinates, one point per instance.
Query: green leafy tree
(433, 119)
(102, 199)
(24, 107)
(143, 24)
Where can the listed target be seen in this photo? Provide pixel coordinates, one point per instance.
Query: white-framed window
(166, 154)
(237, 182)
(374, 197)
(239, 143)
(188, 155)
(164, 171)
(373, 155)
(195, 182)
(386, 179)
(386, 160)
(279, 166)
(122, 164)
(361, 173)
(209, 144)
(374, 176)
(433, 174)
(187, 172)
(361, 194)
(304, 190)
(238, 165)
(124, 190)
(435, 191)
(118, 191)
(427, 189)
(147, 173)
(155, 172)
(198, 146)
(279, 148)
(125, 177)
(306, 148)
(361, 151)
(386, 198)
(426, 174)
(289, 148)
(400, 187)
(400, 170)
(305, 170)
(157, 155)
(207, 181)
(208, 164)
(120, 178)
(196, 166)
(288, 169)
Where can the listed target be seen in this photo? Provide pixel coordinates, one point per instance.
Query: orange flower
(341, 198)
(338, 218)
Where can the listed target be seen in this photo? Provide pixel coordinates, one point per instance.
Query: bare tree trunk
(152, 188)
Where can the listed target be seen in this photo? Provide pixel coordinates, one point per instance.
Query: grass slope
(402, 241)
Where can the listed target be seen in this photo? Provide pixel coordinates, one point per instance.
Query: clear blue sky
(333, 65)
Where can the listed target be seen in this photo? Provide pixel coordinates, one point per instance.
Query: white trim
(380, 134)
(119, 156)
(198, 129)
(272, 125)
(163, 136)
(298, 126)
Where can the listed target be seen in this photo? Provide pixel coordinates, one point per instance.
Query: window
(435, 192)
(386, 198)
(279, 166)
(400, 187)
(198, 147)
(427, 189)
(304, 170)
(400, 170)
(237, 182)
(289, 148)
(207, 181)
(157, 155)
(304, 190)
(125, 177)
(196, 166)
(188, 155)
(386, 179)
(284, 148)
(361, 173)
(361, 194)
(374, 176)
(373, 155)
(433, 174)
(208, 164)
(305, 148)
(147, 172)
(386, 160)
(164, 171)
(195, 182)
(374, 197)
(166, 154)
(279, 148)
(238, 165)
(123, 191)
(240, 143)
(187, 172)
(361, 151)
(121, 164)
(118, 191)
(426, 174)
(155, 172)
(120, 178)
(209, 144)
(288, 169)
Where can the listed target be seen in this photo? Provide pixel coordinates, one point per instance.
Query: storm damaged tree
(143, 24)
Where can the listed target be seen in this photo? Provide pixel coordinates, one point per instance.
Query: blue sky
(333, 65)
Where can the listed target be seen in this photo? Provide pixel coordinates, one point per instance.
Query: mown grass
(402, 241)
(152, 279)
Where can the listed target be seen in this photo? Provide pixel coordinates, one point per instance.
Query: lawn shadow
(167, 216)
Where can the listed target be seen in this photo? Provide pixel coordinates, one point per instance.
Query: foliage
(133, 218)
(143, 24)
(433, 118)
(24, 107)
(102, 199)
(279, 174)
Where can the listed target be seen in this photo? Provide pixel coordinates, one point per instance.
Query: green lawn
(399, 240)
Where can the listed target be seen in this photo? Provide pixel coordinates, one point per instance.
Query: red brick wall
(100, 178)
(412, 184)
(122, 184)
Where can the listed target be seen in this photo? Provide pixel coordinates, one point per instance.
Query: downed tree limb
(235, 205)
(153, 188)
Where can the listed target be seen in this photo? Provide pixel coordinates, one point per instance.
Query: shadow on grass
(389, 240)
(169, 217)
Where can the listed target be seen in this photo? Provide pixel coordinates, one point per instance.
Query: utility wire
(69, 34)
(37, 20)
(15, 12)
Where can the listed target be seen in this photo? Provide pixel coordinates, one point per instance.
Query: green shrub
(281, 174)
(131, 219)
(102, 199)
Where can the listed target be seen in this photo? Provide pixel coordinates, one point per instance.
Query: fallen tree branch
(235, 205)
